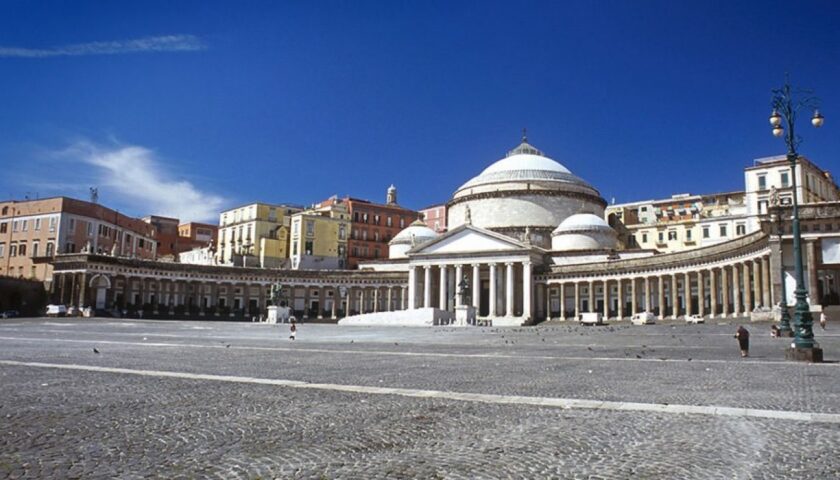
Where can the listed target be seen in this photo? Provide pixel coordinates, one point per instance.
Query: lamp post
(784, 323)
(786, 103)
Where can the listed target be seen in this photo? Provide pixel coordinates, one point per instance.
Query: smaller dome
(582, 222)
(417, 230)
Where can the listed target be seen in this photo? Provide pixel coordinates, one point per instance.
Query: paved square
(232, 400)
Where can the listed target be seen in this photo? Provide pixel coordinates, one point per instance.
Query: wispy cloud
(135, 177)
(165, 43)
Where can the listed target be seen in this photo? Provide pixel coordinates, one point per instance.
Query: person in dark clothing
(743, 336)
(293, 330)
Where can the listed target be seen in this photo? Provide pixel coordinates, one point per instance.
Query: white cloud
(135, 178)
(165, 43)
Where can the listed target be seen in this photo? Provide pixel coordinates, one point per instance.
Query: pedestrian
(823, 320)
(293, 330)
(743, 336)
(774, 331)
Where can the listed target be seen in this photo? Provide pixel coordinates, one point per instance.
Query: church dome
(524, 190)
(582, 222)
(413, 235)
(524, 163)
(584, 231)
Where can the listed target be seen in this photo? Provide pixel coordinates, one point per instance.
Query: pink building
(435, 217)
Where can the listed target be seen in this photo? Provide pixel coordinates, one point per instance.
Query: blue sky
(185, 108)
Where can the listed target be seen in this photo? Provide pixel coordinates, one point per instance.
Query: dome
(582, 222)
(524, 163)
(414, 234)
(584, 231)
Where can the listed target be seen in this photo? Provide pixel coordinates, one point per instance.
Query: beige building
(46, 227)
(255, 235)
(319, 237)
(773, 174)
(681, 222)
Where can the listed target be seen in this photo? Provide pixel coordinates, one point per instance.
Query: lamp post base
(812, 355)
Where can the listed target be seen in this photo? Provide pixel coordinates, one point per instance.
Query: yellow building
(319, 238)
(255, 235)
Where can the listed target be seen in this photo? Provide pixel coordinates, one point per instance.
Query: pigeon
(638, 356)
(95, 350)
(589, 348)
(689, 359)
(227, 346)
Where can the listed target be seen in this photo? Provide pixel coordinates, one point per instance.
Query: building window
(37, 224)
(50, 249)
(71, 227)
(24, 226)
(402, 222)
(688, 235)
(661, 237)
(376, 219)
(365, 218)
(53, 222)
(310, 228)
(15, 226)
(723, 230)
(364, 234)
(341, 250)
(4, 227)
(785, 179)
(90, 229)
(672, 234)
(705, 232)
(389, 221)
(762, 182)
(22, 249)
(35, 246)
(2, 250)
(376, 253)
(342, 232)
(643, 209)
(376, 236)
(13, 250)
(308, 247)
(740, 229)
(644, 238)
(294, 248)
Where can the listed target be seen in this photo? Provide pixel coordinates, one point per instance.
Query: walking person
(292, 330)
(743, 336)
(823, 320)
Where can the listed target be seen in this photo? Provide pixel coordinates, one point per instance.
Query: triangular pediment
(468, 239)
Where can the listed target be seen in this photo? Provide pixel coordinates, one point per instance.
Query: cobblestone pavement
(136, 423)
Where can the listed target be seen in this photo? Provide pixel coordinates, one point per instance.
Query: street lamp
(787, 103)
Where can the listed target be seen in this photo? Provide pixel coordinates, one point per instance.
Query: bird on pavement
(95, 350)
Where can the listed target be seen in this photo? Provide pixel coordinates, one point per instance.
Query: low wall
(419, 317)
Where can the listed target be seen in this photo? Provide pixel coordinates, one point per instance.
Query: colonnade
(165, 296)
(494, 289)
(734, 289)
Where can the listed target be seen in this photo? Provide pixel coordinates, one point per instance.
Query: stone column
(562, 300)
(736, 297)
(334, 307)
(83, 290)
(675, 300)
(660, 296)
(811, 270)
(493, 298)
(648, 298)
(756, 269)
(527, 291)
(713, 293)
(687, 293)
(765, 282)
(443, 302)
(747, 288)
(476, 288)
(412, 287)
(633, 306)
(427, 286)
(725, 291)
(363, 300)
(701, 294)
(591, 296)
(620, 301)
(577, 299)
(509, 290)
(390, 306)
(547, 301)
